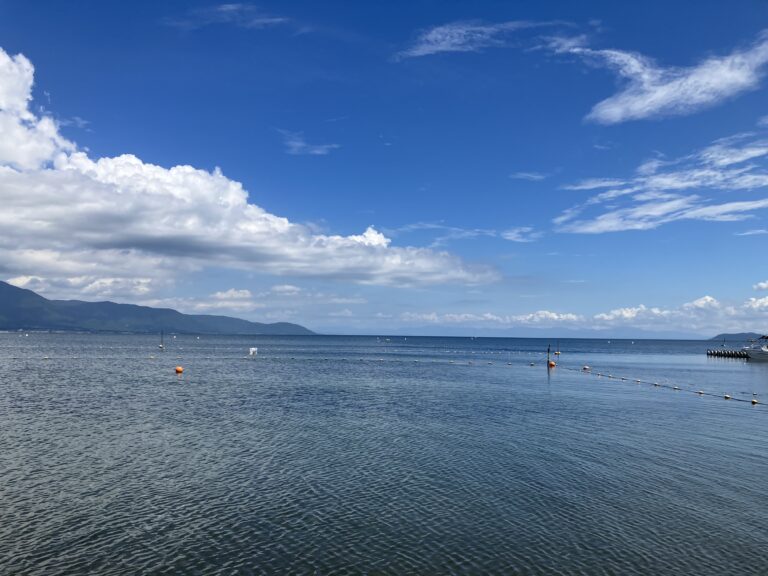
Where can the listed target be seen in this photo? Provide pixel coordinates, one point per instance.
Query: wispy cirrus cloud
(447, 233)
(652, 90)
(595, 183)
(521, 234)
(663, 191)
(529, 176)
(234, 14)
(297, 145)
(466, 36)
(444, 233)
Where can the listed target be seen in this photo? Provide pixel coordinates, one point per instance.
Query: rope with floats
(588, 370)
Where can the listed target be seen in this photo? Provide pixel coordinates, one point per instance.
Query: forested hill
(22, 309)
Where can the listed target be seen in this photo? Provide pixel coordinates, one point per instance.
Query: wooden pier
(725, 353)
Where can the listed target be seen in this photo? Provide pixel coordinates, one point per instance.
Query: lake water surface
(351, 455)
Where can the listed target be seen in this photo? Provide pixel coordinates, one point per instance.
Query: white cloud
(652, 90)
(450, 233)
(27, 142)
(89, 286)
(67, 215)
(761, 286)
(296, 144)
(234, 14)
(705, 315)
(630, 313)
(540, 318)
(215, 304)
(530, 176)
(344, 313)
(345, 300)
(232, 294)
(447, 233)
(757, 232)
(703, 303)
(521, 234)
(594, 183)
(758, 304)
(285, 289)
(661, 190)
(468, 36)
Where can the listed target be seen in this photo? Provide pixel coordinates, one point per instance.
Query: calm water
(333, 455)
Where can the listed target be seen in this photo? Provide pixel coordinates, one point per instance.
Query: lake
(379, 455)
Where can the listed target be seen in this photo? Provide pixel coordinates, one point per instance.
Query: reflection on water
(332, 455)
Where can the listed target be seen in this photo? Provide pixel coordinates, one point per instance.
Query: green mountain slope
(22, 309)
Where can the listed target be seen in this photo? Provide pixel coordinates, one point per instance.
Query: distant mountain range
(22, 309)
(738, 337)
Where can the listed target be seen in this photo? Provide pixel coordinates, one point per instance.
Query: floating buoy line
(587, 370)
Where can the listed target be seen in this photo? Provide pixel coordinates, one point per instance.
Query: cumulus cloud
(758, 304)
(467, 36)
(27, 142)
(703, 303)
(652, 90)
(705, 315)
(67, 215)
(761, 286)
(664, 191)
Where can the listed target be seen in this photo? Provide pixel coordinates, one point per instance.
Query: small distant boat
(758, 350)
(162, 343)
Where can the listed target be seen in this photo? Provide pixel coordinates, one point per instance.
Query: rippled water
(331, 455)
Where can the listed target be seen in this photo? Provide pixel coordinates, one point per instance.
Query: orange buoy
(179, 369)
(552, 364)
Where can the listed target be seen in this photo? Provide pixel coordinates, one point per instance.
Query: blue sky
(405, 167)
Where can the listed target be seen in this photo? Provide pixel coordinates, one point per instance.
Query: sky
(405, 167)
